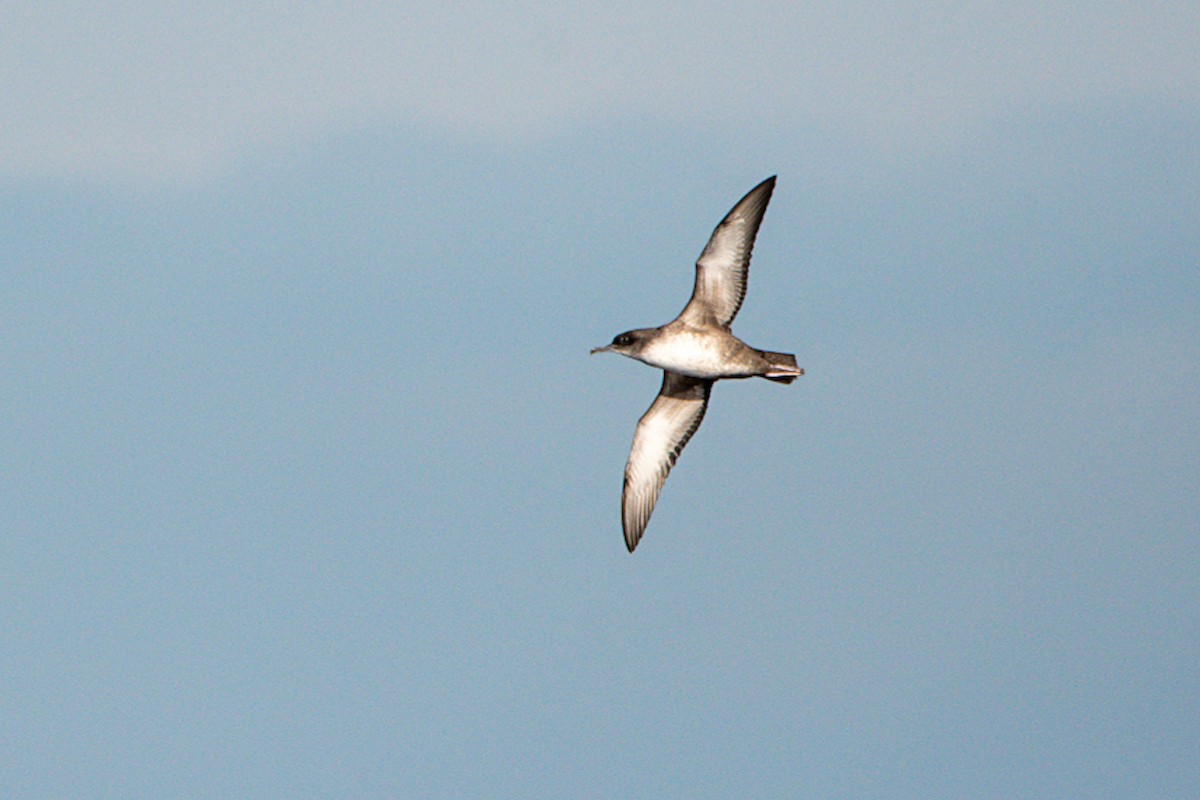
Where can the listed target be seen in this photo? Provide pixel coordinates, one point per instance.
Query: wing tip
(632, 526)
(754, 204)
(633, 536)
(767, 183)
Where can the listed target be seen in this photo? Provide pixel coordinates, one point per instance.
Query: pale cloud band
(162, 91)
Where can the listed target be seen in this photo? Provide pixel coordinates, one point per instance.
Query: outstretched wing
(722, 268)
(661, 434)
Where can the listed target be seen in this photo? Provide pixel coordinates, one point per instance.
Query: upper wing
(661, 434)
(722, 268)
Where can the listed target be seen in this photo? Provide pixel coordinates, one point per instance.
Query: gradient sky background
(310, 488)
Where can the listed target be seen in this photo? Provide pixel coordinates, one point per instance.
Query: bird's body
(694, 350)
(710, 352)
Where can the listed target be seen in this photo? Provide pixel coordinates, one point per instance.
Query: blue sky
(311, 489)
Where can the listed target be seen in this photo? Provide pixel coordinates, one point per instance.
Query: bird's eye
(623, 340)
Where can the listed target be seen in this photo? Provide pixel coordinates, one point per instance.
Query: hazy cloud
(171, 89)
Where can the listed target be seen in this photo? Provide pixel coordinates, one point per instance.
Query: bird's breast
(700, 355)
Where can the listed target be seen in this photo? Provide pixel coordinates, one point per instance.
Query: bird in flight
(695, 350)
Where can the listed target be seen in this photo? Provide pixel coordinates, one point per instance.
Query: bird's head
(624, 343)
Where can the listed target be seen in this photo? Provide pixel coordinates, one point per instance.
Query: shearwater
(695, 350)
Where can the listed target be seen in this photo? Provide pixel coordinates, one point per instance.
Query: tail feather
(781, 367)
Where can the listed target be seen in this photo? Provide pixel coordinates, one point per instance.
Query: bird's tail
(781, 367)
